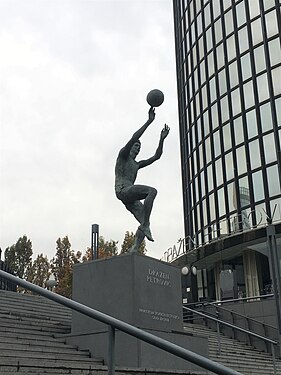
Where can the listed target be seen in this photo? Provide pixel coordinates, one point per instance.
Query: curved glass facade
(228, 57)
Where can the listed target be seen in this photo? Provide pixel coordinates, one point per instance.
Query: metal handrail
(248, 332)
(218, 303)
(114, 324)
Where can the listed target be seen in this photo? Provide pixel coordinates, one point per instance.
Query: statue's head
(135, 149)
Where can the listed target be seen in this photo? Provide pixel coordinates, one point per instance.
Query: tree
(19, 257)
(62, 264)
(40, 271)
(128, 242)
(105, 249)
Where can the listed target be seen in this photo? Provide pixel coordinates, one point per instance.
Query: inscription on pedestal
(158, 277)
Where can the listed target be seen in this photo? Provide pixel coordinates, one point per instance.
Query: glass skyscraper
(228, 56)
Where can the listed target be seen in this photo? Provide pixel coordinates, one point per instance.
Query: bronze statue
(126, 170)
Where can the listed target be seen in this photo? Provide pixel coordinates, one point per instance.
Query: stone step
(34, 341)
(34, 326)
(62, 349)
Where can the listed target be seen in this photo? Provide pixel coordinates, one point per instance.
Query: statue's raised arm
(138, 199)
(136, 136)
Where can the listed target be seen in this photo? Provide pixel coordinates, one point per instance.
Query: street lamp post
(95, 241)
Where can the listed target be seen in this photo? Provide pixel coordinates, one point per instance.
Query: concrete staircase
(31, 341)
(234, 354)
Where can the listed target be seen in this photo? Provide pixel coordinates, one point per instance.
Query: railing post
(274, 359)
(219, 337)
(111, 350)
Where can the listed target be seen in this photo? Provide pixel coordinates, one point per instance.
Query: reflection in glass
(227, 137)
(217, 146)
(241, 160)
(231, 51)
(219, 174)
(224, 109)
(228, 22)
(259, 59)
(251, 124)
(221, 202)
(241, 15)
(266, 118)
(233, 74)
(256, 30)
(276, 74)
(271, 23)
(255, 154)
(229, 166)
(258, 186)
(248, 94)
(269, 148)
(235, 99)
(246, 67)
(274, 51)
(262, 87)
(238, 130)
(273, 179)
(243, 39)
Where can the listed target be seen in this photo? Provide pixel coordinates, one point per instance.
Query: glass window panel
(276, 74)
(229, 166)
(212, 207)
(211, 64)
(235, 99)
(231, 51)
(248, 94)
(219, 175)
(207, 15)
(246, 67)
(254, 8)
(227, 137)
(204, 97)
(258, 186)
(271, 24)
(226, 4)
(221, 202)
(255, 158)
(216, 9)
(200, 152)
(215, 120)
(202, 72)
(274, 51)
(273, 179)
(241, 15)
(209, 39)
(199, 24)
(259, 59)
(202, 183)
(213, 93)
(229, 22)
(210, 178)
(233, 74)
(222, 82)
(251, 120)
(256, 31)
(208, 150)
(241, 160)
(231, 197)
(238, 130)
(266, 118)
(269, 4)
(224, 109)
(269, 148)
(206, 123)
(263, 87)
(218, 31)
(217, 145)
(244, 192)
(243, 40)
(278, 110)
(220, 56)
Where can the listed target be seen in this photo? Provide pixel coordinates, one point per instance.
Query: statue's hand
(151, 114)
(165, 131)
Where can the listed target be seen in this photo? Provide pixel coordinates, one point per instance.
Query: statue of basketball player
(126, 170)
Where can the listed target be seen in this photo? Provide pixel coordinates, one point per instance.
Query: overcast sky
(74, 76)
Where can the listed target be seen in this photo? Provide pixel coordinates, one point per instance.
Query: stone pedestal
(141, 291)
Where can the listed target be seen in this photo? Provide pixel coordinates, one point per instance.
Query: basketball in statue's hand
(155, 98)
